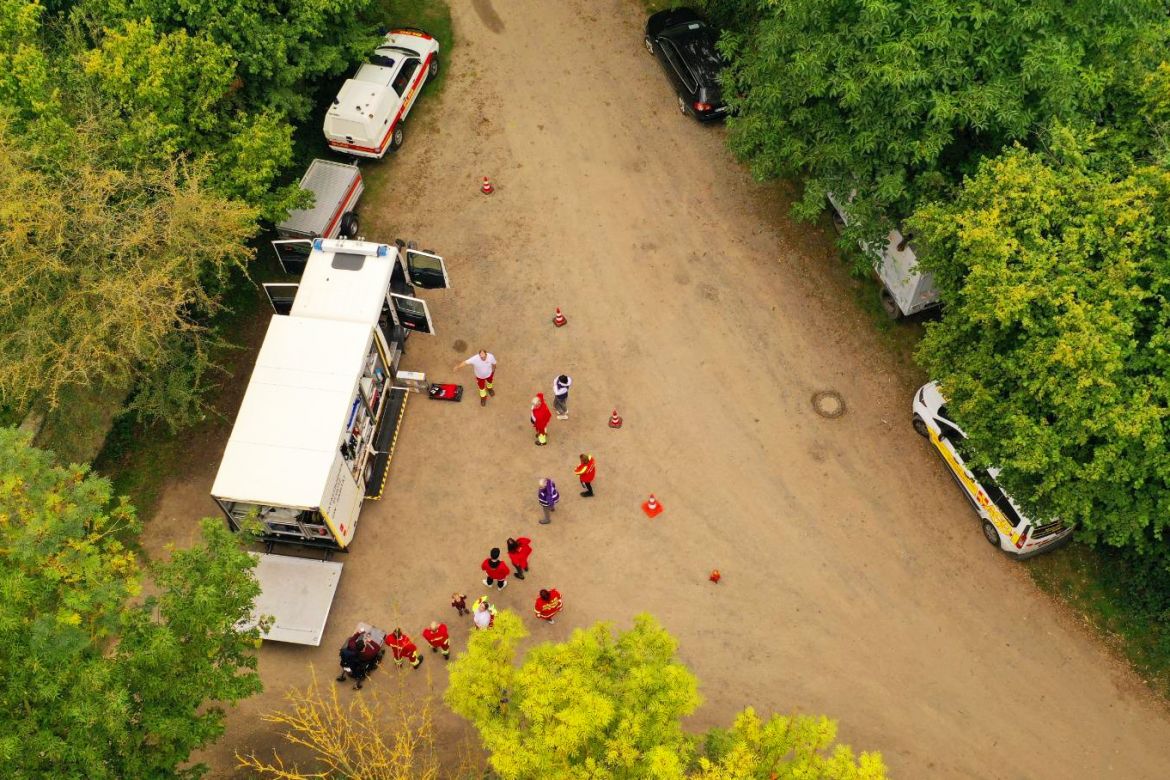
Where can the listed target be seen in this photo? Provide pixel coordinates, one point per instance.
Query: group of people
(365, 648)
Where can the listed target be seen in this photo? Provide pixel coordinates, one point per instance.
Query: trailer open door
(281, 296)
(413, 313)
(426, 270)
(293, 254)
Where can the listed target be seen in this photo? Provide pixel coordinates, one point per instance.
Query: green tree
(783, 748)
(604, 706)
(898, 99)
(281, 50)
(108, 274)
(100, 682)
(1055, 346)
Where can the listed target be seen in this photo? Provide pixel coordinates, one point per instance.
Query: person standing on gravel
(484, 365)
(561, 387)
(548, 604)
(548, 497)
(540, 419)
(518, 552)
(495, 569)
(586, 470)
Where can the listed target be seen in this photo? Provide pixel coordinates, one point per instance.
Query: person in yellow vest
(586, 470)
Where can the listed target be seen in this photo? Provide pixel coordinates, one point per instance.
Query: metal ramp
(297, 593)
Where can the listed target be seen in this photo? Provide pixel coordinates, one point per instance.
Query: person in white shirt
(561, 387)
(484, 365)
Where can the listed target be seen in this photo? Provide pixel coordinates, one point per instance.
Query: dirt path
(856, 582)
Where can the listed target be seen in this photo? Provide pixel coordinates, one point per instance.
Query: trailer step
(385, 442)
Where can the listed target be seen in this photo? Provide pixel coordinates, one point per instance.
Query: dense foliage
(604, 706)
(101, 681)
(1056, 342)
(105, 274)
(898, 99)
(147, 138)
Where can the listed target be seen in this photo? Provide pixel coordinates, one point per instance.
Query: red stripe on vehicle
(341, 210)
(339, 145)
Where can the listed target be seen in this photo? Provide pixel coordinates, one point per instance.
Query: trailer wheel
(396, 138)
(990, 534)
(890, 306)
(349, 225)
(433, 68)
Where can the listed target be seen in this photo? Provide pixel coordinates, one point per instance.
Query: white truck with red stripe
(366, 117)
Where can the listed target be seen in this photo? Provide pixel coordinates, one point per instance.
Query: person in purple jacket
(548, 497)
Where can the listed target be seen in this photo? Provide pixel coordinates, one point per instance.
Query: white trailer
(905, 289)
(316, 431)
(336, 188)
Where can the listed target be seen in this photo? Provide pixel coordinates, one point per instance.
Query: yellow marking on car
(994, 514)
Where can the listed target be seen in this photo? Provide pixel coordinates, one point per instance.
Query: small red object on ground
(715, 576)
(615, 420)
(651, 507)
(487, 188)
(559, 319)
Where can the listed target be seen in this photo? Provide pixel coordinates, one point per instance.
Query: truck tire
(990, 534)
(349, 225)
(396, 138)
(889, 305)
(433, 68)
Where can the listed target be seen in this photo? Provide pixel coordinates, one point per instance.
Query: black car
(685, 46)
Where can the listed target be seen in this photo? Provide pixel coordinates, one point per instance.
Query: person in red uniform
(586, 470)
(404, 649)
(548, 604)
(540, 418)
(518, 552)
(436, 636)
(495, 569)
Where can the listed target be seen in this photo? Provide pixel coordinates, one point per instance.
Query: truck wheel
(433, 68)
(920, 426)
(396, 138)
(890, 306)
(990, 534)
(349, 225)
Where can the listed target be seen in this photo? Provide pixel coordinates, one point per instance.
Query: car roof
(697, 47)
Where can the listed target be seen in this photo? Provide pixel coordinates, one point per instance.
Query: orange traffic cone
(487, 188)
(615, 420)
(651, 507)
(715, 576)
(559, 320)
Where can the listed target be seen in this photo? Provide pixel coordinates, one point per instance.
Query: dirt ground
(856, 582)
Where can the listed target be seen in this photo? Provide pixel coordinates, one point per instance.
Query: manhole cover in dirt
(459, 346)
(828, 403)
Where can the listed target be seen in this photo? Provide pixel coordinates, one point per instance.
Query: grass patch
(1126, 599)
(76, 430)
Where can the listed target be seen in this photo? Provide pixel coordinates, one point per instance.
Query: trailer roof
(329, 182)
(345, 280)
(285, 439)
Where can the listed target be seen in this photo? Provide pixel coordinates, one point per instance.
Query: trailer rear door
(296, 593)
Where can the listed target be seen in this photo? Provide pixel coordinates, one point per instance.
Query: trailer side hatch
(297, 594)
